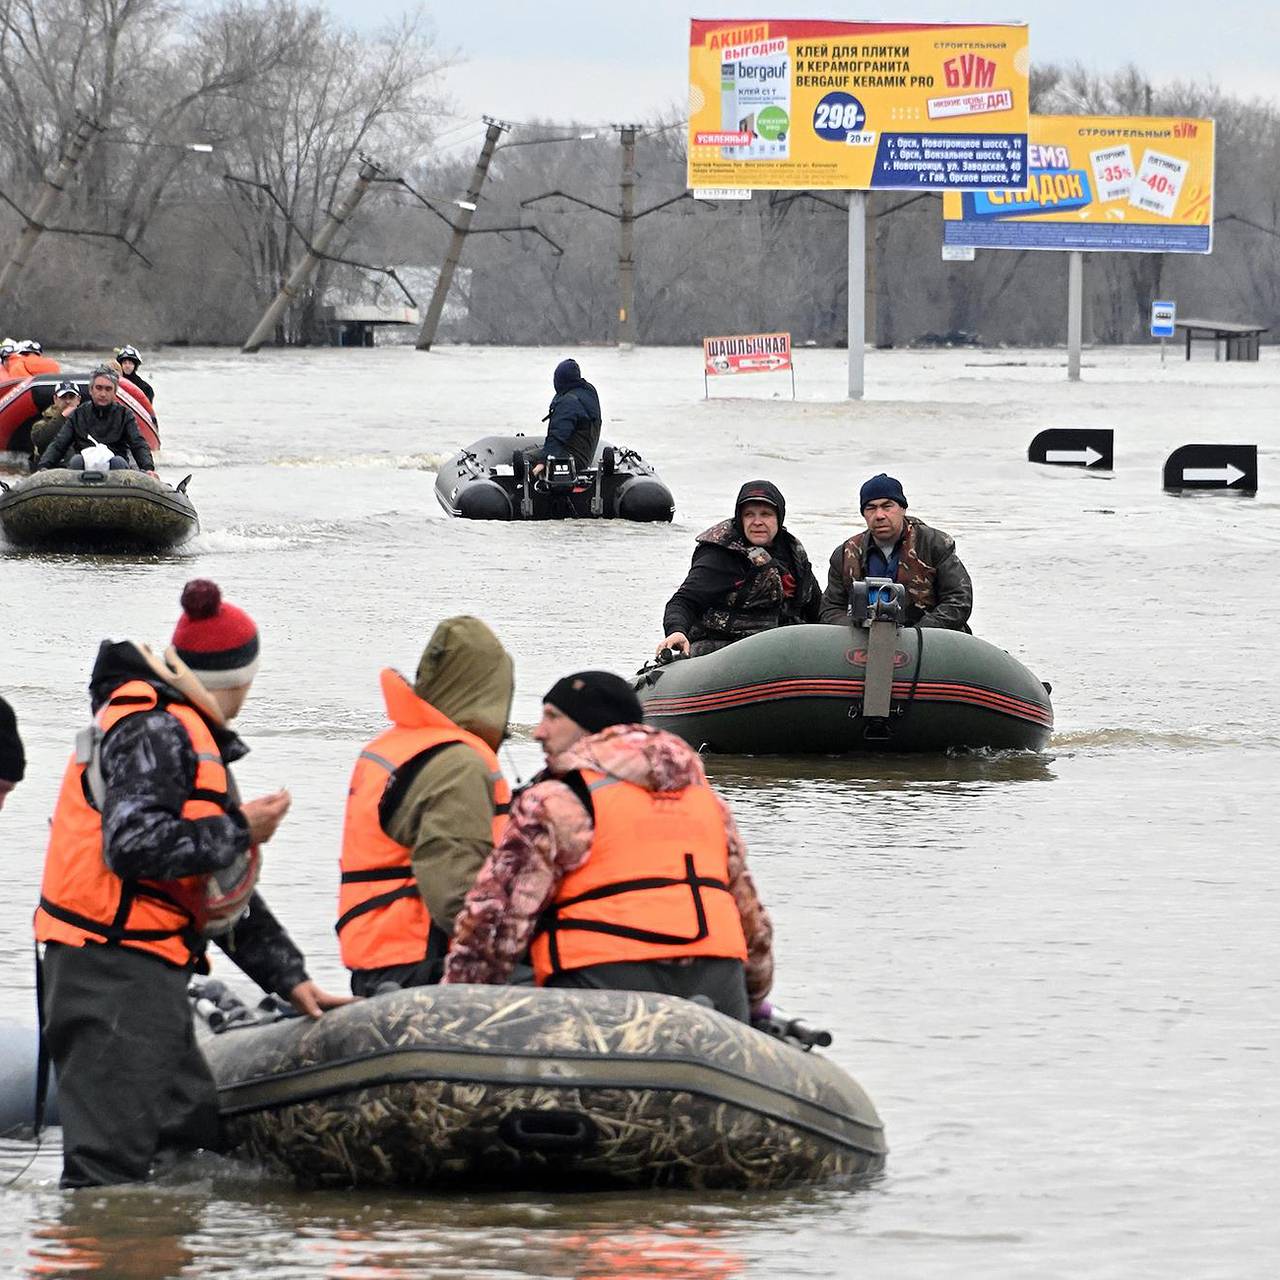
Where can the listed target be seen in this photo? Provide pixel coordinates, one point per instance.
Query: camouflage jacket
(939, 592)
(550, 834)
(734, 589)
(149, 767)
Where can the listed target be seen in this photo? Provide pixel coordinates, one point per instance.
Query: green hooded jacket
(445, 815)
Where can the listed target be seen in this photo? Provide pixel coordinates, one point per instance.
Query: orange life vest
(654, 887)
(37, 364)
(81, 899)
(382, 919)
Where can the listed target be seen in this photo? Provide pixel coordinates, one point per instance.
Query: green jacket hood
(467, 675)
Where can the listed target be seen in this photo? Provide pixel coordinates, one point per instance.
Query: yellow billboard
(803, 104)
(1133, 184)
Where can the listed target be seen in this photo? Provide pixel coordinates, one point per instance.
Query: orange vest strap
(376, 903)
(110, 933)
(549, 921)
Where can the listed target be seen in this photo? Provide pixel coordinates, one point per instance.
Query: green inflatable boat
(509, 1087)
(832, 690)
(91, 510)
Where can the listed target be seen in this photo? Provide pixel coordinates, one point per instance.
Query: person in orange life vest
(34, 360)
(622, 806)
(13, 761)
(148, 832)
(9, 352)
(426, 803)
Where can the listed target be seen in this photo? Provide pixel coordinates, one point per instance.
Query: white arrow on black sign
(1072, 447)
(1213, 466)
(1085, 457)
(1227, 475)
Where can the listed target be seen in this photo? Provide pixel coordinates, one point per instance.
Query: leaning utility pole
(315, 252)
(52, 189)
(460, 229)
(626, 239)
(627, 218)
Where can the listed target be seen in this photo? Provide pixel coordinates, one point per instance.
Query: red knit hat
(215, 639)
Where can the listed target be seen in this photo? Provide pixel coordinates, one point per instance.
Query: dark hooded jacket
(13, 760)
(149, 767)
(114, 425)
(574, 419)
(734, 590)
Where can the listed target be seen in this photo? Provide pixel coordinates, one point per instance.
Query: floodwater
(1055, 975)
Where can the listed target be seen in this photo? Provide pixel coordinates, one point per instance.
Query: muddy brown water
(1055, 975)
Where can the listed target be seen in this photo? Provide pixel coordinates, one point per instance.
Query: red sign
(747, 353)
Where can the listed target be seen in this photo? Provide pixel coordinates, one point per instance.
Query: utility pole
(49, 193)
(302, 272)
(460, 229)
(626, 239)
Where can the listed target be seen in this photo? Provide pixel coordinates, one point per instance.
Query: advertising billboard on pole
(779, 104)
(1097, 183)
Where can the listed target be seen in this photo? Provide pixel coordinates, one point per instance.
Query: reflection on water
(228, 1223)
(887, 772)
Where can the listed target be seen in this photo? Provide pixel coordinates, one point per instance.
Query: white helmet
(29, 347)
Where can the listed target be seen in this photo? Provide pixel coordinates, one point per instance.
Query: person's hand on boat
(311, 1001)
(265, 814)
(678, 641)
(539, 469)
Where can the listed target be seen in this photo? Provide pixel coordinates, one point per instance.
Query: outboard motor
(879, 606)
(561, 475)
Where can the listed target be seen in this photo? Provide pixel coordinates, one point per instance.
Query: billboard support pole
(1075, 312)
(857, 334)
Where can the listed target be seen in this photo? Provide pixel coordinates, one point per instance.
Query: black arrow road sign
(1067, 447)
(1213, 466)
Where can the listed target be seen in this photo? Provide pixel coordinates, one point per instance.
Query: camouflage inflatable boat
(505, 1087)
(807, 690)
(96, 511)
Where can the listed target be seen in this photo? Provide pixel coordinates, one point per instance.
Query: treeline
(181, 243)
(190, 245)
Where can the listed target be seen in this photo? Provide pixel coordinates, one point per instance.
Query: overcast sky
(601, 61)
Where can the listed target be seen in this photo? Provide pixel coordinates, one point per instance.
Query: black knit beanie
(13, 761)
(881, 486)
(595, 700)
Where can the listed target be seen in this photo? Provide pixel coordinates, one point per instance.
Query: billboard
(1134, 184)
(746, 353)
(805, 104)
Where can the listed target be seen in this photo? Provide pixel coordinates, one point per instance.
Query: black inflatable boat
(489, 480)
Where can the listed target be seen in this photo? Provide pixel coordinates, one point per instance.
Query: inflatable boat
(96, 511)
(488, 481)
(23, 402)
(811, 690)
(508, 1087)
(19, 1046)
